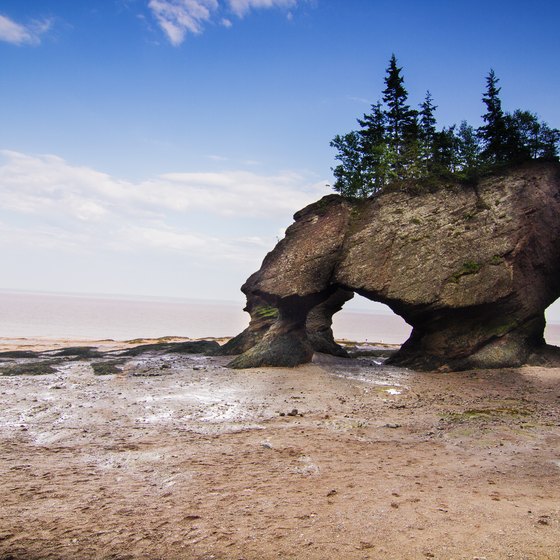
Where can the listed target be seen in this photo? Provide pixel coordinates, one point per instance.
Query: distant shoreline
(73, 317)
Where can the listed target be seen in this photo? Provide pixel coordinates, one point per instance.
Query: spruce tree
(396, 146)
(395, 96)
(427, 121)
(468, 149)
(373, 146)
(445, 158)
(494, 132)
(401, 120)
(427, 131)
(350, 175)
(373, 126)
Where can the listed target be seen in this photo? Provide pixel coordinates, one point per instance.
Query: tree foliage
(398, 146)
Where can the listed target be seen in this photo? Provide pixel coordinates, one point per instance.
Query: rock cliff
(470, 268)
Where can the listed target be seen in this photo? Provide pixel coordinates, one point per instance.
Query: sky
(161, 147)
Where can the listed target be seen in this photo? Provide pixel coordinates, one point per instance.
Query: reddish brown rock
(471, 268)
(318, 325)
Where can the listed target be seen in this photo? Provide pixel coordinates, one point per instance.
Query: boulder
(470, 267)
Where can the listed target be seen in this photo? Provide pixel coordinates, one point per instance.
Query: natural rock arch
(471, 268)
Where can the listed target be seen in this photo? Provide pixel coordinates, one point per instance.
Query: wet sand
(178, 457)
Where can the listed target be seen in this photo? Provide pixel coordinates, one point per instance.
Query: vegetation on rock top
(398, 147)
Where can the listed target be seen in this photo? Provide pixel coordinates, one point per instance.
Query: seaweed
(44, 367)
(107, 368)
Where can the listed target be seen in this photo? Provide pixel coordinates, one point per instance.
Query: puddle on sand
(179, 397)
(394, 379)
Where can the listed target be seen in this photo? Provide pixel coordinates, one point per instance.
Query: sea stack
(471, 267)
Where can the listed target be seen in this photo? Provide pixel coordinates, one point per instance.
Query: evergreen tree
(535, 138)
(426, 132)
(373, 146)
(427, 121)
(468, 149)
(396, 146)
(445, 160)
(494, 132)
(401, 120)
(527, 128)
(518, 132)
(351, 176)
(549, 138)
(373, 126)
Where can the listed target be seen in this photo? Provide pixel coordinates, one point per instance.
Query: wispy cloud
(46, 200)
(178, 18)
(19, 34)
(242, 7)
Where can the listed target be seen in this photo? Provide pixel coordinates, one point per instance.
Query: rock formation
(264, 316)
(471, 268)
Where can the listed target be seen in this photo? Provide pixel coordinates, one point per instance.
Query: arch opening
(366, 321)
(552, 330)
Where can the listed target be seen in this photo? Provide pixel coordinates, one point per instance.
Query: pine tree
(468, 148)
(445, 160)
(372, 126)
(494, 132)
(426, 132)
(373, 146)
(427, 121)
(399, 147)
(401, 120)
(350, 175)
(395, 96)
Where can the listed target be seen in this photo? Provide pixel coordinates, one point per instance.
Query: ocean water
(118, 318)
(27, 315)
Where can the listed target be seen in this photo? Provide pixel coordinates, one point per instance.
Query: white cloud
(160, 238)
(18, 34)
(177, 18)
(242, 7)
(231, 215)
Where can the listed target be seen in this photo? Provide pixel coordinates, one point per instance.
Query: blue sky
(160, 147)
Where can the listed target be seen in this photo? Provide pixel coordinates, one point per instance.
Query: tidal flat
(175, 456)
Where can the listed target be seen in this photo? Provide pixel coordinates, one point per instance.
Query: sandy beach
(178, 457)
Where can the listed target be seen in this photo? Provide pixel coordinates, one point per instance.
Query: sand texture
(177, 457)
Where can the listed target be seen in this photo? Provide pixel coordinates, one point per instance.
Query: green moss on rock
(469, 267)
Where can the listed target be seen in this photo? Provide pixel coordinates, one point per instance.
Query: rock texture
(471, 268)
(264, 316)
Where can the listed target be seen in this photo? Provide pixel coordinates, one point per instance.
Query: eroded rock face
(263, 316)
(472, 269)
(317, 326)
